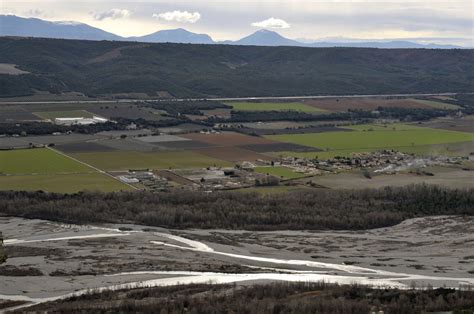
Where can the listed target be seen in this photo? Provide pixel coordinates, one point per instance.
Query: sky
(424, 21)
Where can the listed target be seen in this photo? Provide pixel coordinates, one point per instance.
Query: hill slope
(225, 70)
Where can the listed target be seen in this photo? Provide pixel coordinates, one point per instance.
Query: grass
(437, 104)
(377, 139)
(62, 183)
(44, 169)
(284, 172)
(115, 161)
(64, 114)
(446, 149)
(38, 161)
(267, 106)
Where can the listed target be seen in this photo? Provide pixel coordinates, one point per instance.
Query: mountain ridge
(12, 25)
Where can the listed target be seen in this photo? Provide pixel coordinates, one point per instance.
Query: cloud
(35, 13)
(272, 23)
(112, 14)
(179, 16)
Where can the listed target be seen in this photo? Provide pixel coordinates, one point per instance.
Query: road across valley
(135, 100)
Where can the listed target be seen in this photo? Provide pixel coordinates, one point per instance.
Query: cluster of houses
(384, 161)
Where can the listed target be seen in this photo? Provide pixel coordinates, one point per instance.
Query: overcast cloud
(422, 20)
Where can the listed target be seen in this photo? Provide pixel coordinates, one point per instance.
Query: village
(245, 175)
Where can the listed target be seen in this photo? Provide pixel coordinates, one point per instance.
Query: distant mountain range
(11, 25)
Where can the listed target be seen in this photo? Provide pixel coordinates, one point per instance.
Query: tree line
(274, 298)
(44, 128)
(313, 209)
(402, 114)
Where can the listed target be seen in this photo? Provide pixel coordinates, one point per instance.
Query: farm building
(79, 120)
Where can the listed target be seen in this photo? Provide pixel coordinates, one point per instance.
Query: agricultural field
(278, 171)
(447, 177)
(122, 161)
(458, 149)
(344, 104)
(182, 128)
(51, 115)
(274, 106)
(127, 111)
(161, 138)
(278, 147)
(82, 147)
(62, 183)
(437, 104)
(383, 127)
(11, 114)
(321, 154)
(233, 154)
(378, 139)
(47, 170)
(38, 161)
(227, 139)
(219, 112)
(465, 124)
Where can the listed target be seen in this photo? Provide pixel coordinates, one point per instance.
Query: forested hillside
(184, 70)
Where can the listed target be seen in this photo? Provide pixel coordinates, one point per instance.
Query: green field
(446, 149)
(64, 114)
(47, 170)
(115, 161)
(283, 172)
(267, 106)
(378, 139)
(62, 183)
(437, 104)
(38, 161)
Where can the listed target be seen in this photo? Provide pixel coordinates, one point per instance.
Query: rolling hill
(183, 70)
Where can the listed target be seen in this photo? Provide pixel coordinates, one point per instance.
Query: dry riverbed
(50, 260)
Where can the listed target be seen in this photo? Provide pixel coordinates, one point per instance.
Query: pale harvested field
(446, 177)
